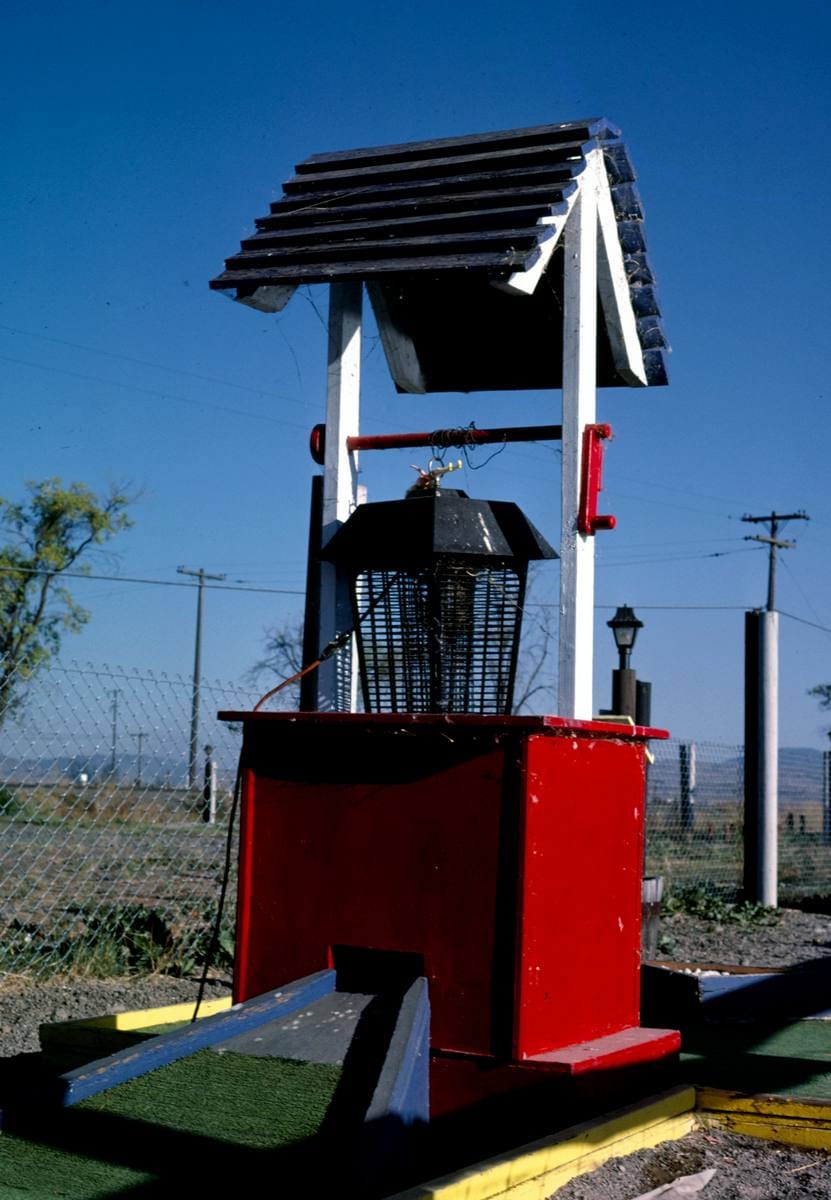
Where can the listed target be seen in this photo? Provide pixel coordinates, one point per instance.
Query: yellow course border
(92, 1031)
(787, 1119)
(140, 1019)
(534, 1171)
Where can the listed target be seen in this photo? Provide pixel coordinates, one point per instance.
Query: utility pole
(774, 521)
(201, 574)
(761, 724)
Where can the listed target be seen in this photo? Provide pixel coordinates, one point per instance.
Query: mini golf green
(207, 1118)
(792, 1060)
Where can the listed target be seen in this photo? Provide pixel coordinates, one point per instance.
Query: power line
(800, 588)
(639, 562)
(803, 621)
(656, 607)
(144, 362)
(134, 387)
(215, 587)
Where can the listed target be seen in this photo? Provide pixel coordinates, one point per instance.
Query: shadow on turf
(727, 1030)
(348, 1156)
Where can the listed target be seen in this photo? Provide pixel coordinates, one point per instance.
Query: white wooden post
(338, 689)
(579, 407)
(767, 857)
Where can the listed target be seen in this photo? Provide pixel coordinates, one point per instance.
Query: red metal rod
(456, 437)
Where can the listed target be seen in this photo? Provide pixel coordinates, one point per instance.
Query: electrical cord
(337, 643)
(223, 891)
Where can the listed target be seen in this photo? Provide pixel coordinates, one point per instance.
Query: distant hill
(719, 774)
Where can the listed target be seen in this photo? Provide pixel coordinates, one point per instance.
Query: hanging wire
(461, 439)
(223, 892)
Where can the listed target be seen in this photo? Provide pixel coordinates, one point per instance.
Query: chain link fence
(695, 819)
(108, 863)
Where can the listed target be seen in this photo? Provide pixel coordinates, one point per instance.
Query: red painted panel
(580, 891)
(623, 1049)
(243, 931)
(392, 863)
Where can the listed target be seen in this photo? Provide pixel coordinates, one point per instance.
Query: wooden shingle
(446, 234)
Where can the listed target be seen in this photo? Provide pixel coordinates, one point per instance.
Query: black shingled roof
(429, 226)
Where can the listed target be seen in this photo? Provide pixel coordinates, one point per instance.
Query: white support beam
(619, 316)
(579, 410)
(337, 690)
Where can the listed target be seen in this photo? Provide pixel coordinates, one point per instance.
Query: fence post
(826, 796)
(686, 771)
(209, 792)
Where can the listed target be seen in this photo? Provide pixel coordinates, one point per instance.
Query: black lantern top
(398, 534)
(437, 586)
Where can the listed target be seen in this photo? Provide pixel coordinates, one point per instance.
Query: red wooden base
(500, 857)
(608, 1070)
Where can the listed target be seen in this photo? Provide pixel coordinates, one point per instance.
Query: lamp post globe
(624, 626)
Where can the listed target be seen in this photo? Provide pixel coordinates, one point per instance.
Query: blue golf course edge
(74, 1086)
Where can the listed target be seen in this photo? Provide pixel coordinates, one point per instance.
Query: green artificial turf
(792, 1060)
(204, 1118)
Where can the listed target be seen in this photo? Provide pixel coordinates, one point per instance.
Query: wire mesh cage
(441, 639)
(437, 585)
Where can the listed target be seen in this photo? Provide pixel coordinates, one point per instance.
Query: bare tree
(283, 658)
(536, 683)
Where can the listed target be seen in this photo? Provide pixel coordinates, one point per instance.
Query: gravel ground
(746, 1169)
(26, 1002)
(783, 939)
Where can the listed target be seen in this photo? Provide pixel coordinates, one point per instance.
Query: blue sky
(144, 139)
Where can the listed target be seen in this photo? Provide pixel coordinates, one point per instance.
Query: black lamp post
(624, 626)
(625, 689)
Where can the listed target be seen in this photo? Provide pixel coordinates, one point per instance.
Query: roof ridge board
(535, 210)
(651, 333)
(638, 269)
(357, 247)
(626, 201)
(597, 127)
(655, 366)
(559, 152)
(616, 160)
(644, 301)
(417, 192)
(493, 262)
(630, 234)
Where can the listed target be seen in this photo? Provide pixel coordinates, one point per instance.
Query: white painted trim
(579, 409)
(402, 358)
(338, 685)
(615, 298)
(524, 283)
